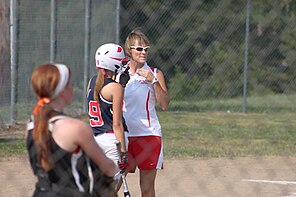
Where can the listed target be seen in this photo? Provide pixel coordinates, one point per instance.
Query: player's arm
(161, 92)
(85, 140)
(117, 101)
(71, 133)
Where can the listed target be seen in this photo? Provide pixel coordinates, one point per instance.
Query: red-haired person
(63, 153)
(145, 88)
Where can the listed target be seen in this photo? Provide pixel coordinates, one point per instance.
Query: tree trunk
(4, 53)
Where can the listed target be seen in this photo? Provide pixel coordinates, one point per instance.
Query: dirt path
(270, 176)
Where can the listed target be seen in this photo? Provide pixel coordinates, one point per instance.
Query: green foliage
(209, 36)
(181, 86)
(199, 45)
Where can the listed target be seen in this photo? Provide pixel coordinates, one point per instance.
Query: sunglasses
(138, 48)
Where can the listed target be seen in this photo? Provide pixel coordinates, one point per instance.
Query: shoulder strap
(109, 80)
(30, 124)
(54, 119)
(154, 70)
(58, 117)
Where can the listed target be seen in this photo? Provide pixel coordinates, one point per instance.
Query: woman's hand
(145, 73)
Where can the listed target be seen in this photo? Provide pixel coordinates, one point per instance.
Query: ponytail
(99, 84)
(48, 80)
(42, 137)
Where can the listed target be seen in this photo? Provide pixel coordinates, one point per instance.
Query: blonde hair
(135, 35)
(98, 85)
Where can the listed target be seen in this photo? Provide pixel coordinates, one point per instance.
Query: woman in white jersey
(145, 88)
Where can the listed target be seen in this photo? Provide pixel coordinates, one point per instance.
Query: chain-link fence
(211, 50)
(53, 32)
(212, 56)
(230, 55)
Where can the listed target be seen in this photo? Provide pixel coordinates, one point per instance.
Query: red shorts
(145, 152)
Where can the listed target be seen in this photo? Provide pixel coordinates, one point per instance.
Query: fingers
(145, 73)
(141, 72)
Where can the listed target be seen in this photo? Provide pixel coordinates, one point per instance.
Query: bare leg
(147, 182)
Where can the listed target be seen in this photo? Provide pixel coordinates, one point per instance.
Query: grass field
(209, 134)
(212, 134)
(255, 104)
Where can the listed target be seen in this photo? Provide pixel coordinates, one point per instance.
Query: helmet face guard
(110, 56)
(122, 74)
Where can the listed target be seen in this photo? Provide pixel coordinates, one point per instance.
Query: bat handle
(127, 194)
(125, 187)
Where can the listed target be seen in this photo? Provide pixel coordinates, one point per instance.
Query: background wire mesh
(199, 45)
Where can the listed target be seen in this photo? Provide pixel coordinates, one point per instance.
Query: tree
(205, 40)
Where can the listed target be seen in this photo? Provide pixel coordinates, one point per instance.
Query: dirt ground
(264, 176)
(271, 176)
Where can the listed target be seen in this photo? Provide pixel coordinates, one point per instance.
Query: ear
(103, 71)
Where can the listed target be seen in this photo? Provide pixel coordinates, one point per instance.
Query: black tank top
(70, 175)
(100, 115)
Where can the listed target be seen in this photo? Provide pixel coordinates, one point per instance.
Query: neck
(134, 66)
(57, 106)
(109, 74)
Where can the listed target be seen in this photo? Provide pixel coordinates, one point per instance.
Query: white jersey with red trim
(139, 106)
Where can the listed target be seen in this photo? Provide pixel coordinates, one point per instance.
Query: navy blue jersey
(100, 114)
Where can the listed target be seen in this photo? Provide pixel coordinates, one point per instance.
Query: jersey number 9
(94, 112)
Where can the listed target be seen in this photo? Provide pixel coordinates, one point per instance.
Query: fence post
(86, 49)
(13, 58)
(246, 56)
(53, 23)
(118, 22)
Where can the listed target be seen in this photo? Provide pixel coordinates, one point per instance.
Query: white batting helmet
(110, 56)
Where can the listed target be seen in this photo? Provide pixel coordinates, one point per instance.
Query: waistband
(107, 132)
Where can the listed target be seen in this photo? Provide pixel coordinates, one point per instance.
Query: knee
(147, 190)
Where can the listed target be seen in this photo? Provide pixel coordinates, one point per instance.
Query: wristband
(154, 80)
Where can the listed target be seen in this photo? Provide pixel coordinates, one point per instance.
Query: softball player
(105, 100)
(145, 88)
(62, 151)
